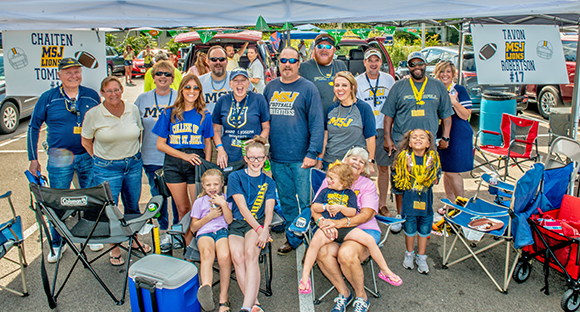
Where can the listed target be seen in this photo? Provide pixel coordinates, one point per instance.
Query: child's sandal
(225, 305)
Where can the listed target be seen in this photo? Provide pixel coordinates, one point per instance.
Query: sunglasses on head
(413, 64)
(188, 87)
(291, 60)
(166, 74)
(217, 59)
(324, 46)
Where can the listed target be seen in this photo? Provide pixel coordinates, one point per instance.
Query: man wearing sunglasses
(296, 135)
(63, 110)
(322, 69)
(373, 88)
(149, 82)
(418, 102)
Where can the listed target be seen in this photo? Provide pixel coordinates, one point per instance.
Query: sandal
(119, 259)
(146, 248)
(384, 211)
(307, 287)
(225, 305)
(392, 279)
(441, 211)
(205, 297)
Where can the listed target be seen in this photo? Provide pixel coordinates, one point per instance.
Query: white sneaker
(165, 243)
(58, 251)
(397, 227)
(422, 265)
(96, 247)
(408, 261)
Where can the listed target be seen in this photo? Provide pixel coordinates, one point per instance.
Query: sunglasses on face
(290, 60)
(188, 87)
(254, 159)
(166, 74)
(324, 46)
(217, 59)
(413, 64)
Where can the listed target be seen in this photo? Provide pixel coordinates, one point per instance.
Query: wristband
(324, 206)
(219, 145)
(256, 229)
(347, 221)
(319, 220)
(318, 158)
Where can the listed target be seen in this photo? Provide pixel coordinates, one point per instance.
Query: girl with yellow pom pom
(417, 169)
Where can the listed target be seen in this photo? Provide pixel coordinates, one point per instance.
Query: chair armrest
(489, 132)
(158, 201)
(6, 194)
(7, 225)
(476, 213)
(388, 220)
(500, 185)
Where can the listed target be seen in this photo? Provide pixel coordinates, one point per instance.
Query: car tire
(548, 97)
(109, 70)
(10, 117)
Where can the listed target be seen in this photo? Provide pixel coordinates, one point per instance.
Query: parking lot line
(306, 301)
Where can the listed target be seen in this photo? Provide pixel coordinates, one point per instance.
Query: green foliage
(111, 39)
(401, 48)
(173, 46)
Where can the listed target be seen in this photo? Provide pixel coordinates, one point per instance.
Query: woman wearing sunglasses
(458, 157)
(238, 116)
(184, 133)
(348, 122)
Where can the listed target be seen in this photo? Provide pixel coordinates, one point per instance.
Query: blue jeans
(164, 217)
(61, 168)
(124, 176)
(291, 180)
(418, 225)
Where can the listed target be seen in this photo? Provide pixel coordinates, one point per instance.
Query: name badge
(418, 113)
(419, 205)
(376, 112)
(77, 130)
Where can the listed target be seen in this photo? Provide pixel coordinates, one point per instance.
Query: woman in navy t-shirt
(185, 131)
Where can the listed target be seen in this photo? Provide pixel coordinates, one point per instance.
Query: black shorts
(177, 170)
(342, 233)
(241, 227)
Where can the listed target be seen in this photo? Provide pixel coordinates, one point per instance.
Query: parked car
(351, 50)
(115, 62)
(547, 96)
(237, 39)
(12, 108)
(434, 55)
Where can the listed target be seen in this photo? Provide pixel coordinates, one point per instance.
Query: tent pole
(576, 95)
(460, 56)
(422, 35)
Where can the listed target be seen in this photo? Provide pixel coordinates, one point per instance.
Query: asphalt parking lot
(463, 287)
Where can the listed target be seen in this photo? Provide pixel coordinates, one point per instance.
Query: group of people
(316, 114)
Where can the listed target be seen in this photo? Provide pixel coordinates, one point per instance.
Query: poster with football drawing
(518, 54)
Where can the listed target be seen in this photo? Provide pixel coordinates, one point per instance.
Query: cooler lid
(170, 272)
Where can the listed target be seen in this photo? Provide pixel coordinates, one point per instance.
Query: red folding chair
(519, 136)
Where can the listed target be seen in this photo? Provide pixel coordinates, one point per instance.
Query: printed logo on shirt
(212, 97)
(340, 122)
(381, 95)
(425, 97)
(185, 139)
(259, 200)
(338, 199)
(237, 121)
(152, 112)
(282, 103)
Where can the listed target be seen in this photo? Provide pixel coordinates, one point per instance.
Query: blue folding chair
(523, 203)
(11, 236)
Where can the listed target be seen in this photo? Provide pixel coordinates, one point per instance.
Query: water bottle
(267, 165)
(153, 207)
(494, 180)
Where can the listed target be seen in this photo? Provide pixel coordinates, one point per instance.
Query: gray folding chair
(563, 151)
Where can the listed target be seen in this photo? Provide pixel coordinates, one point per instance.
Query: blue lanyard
(74, 108)
(168, 103)
(238, 111)
(250, 204)
(375, 89)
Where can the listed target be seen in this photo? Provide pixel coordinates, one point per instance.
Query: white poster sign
(518, 54)
(31, 58)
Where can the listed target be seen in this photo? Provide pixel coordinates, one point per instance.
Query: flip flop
(118, 258)
(146, 248)
(441, 211)
(225, 305)
(205, 297)
(391, 279)
(384, 211)
(306, 290)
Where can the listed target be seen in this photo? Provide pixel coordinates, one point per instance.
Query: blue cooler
(493, 105)
(162, 283)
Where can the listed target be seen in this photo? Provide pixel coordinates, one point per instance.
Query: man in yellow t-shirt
(233, 56)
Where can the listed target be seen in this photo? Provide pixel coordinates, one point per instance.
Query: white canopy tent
(70, 14)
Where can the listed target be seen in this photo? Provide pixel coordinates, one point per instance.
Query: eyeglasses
(166, 74)
(290, 60)
(324, 46)
(113, 91)
(188, 87)
(413, 64)
(255, 159)
(217, 59)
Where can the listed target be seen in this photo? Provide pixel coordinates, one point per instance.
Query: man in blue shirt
(63, 109)
(296, 135)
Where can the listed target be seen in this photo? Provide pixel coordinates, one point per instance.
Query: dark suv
(434, 55)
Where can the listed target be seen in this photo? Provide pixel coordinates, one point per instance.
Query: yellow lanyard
(418, 94)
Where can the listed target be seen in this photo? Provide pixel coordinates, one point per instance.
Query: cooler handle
(142, 282)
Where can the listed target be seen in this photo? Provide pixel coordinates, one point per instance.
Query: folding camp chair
(519, 136)
(495, 222)
(11, 236)
(110, 227)
(305, 227)
(563, 151)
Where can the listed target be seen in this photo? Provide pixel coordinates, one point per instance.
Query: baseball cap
(237, 72)
(371, 52)
(415, 55)
(68, 62)
(324, 37)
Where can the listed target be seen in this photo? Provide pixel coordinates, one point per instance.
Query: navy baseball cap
(237, 72)
(415, 55)
(68, 62)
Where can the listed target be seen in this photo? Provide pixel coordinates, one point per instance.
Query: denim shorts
(177, 170)
(421, 224)
(128, 63)
(216, 236)
(375, 234)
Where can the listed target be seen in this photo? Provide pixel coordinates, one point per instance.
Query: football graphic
(86, 59)
(487, 51)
